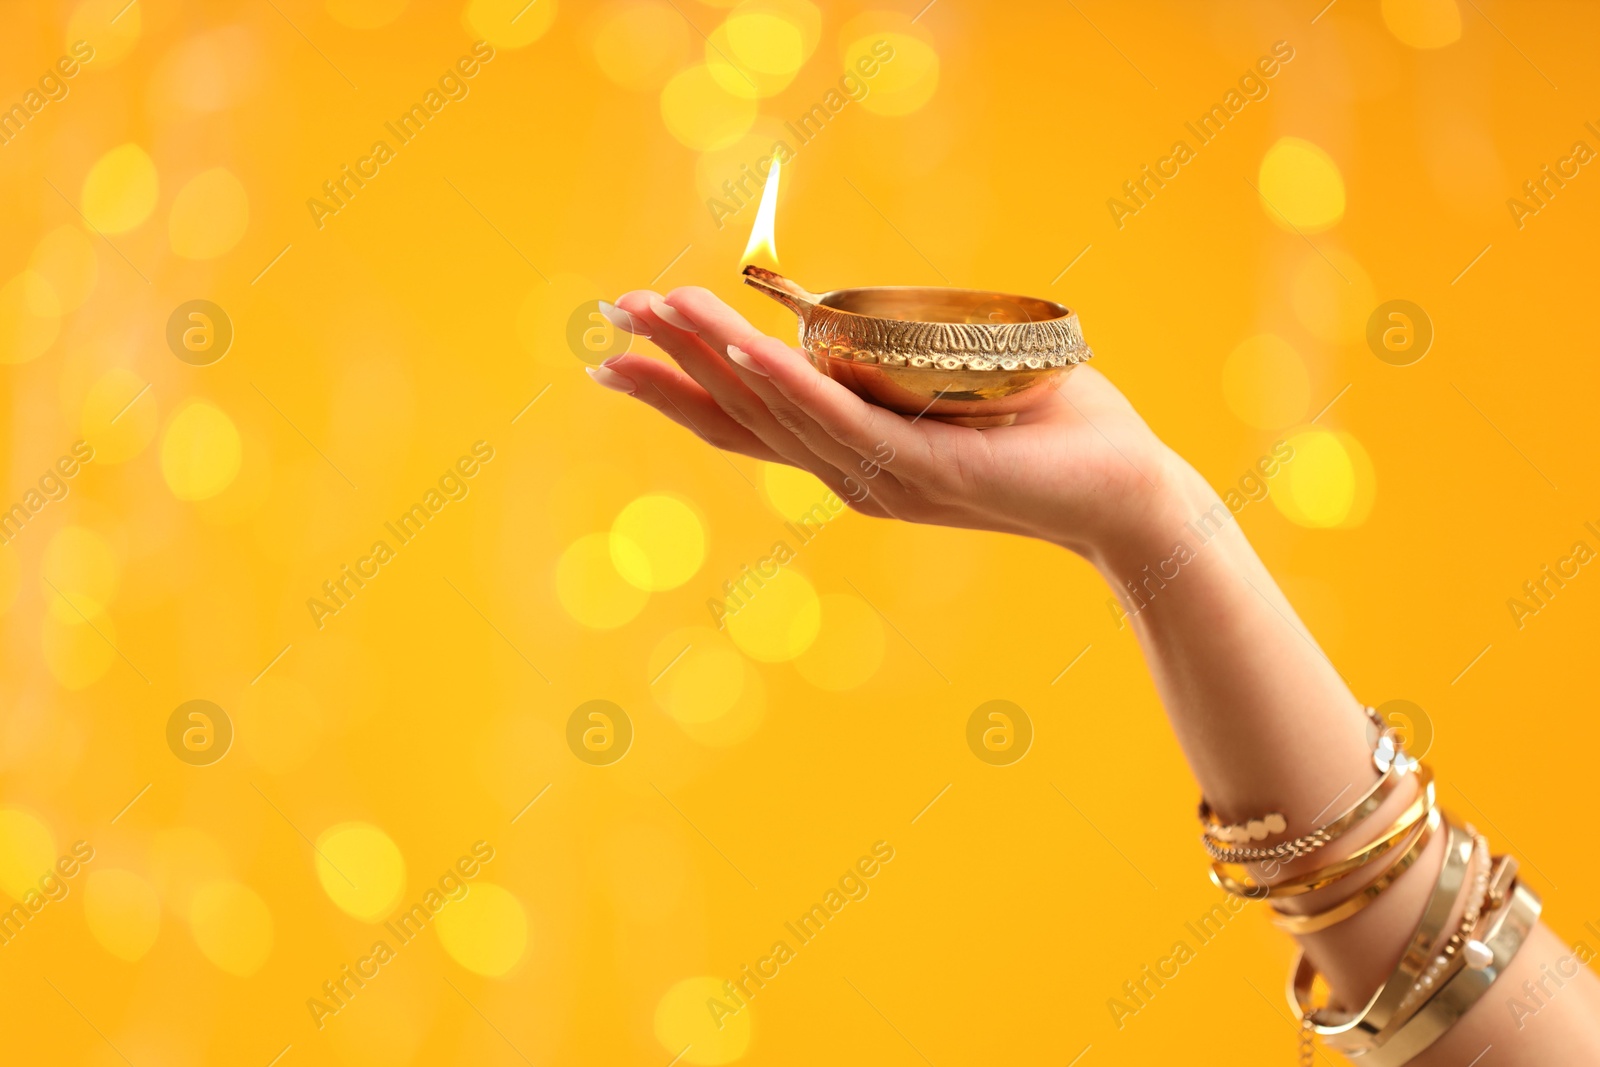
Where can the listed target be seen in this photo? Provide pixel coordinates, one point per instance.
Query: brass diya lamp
(964, 356)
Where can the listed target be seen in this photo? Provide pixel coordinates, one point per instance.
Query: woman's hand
(1081, 469)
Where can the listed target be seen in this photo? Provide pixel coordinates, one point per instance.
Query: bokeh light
(1301, 186)
(639, 44)
(232, 926)
(361, 870)
(30, 317)
(120, 190)
(510, 23)
(486, 931)
(1265, 383)
(1423, 23)
(27, 851)
(1329, 483)
(894, 58)
(702, 113)
(778, 619)
(201, 451)
(657, 542)
(685, 1027)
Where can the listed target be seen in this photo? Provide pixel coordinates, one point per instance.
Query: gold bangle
(1387, 756)
(1504, 934)
(1233, 878)
(1359, 1032)
(1309, 924)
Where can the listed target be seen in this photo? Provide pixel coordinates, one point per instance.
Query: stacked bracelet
(1225, 842)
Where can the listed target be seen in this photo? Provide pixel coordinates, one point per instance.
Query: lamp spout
(790, 295)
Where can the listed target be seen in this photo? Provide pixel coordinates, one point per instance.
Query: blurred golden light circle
(849, 646)
(110, 27)
(701, 113)
(1301, 185)
(640, 44)
(1329, 483)
(686, 1027)
(901, 56)
(27, 851)
(122, 911)
(1332, 303)
(280, 723)
(778, 620)
(589, 587)
(79, 566)
(1265, 382)
(135, 426)
(365, 14)
(78, 652)
(697, 675)
(1423, 23)
(765, 43)
(510, 23)
(201, 452)
(795, 493)
(66, 259)
(209, 215)
(120, 190)
(657, 542)
(486, 931)
(30, 317)
(361, 870)
(232, 926)
(737, 77)
(803, 16)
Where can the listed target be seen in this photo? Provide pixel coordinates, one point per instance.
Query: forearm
(1268, 724)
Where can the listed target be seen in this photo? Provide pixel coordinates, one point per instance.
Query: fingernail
(611, 379)
(745, 360)
(622, 320)
(671, 315)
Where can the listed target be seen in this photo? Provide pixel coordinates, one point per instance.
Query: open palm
(1073, 469)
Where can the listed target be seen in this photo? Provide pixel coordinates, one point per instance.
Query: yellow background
(430, 711)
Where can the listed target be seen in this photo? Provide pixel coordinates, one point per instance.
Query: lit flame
(761, 234)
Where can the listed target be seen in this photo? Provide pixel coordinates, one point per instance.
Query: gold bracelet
(1388, 756)
(1310, 924)
(1357, 1033)
(1504, 933)
(1233, 878)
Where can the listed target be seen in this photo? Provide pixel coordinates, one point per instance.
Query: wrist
(1158, 517)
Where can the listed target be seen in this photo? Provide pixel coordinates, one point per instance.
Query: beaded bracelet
(1225, 842)
(1233, 878)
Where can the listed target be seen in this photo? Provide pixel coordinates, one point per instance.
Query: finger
(681, 337)
(908, 448)
(675, 395)
(721, 327)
